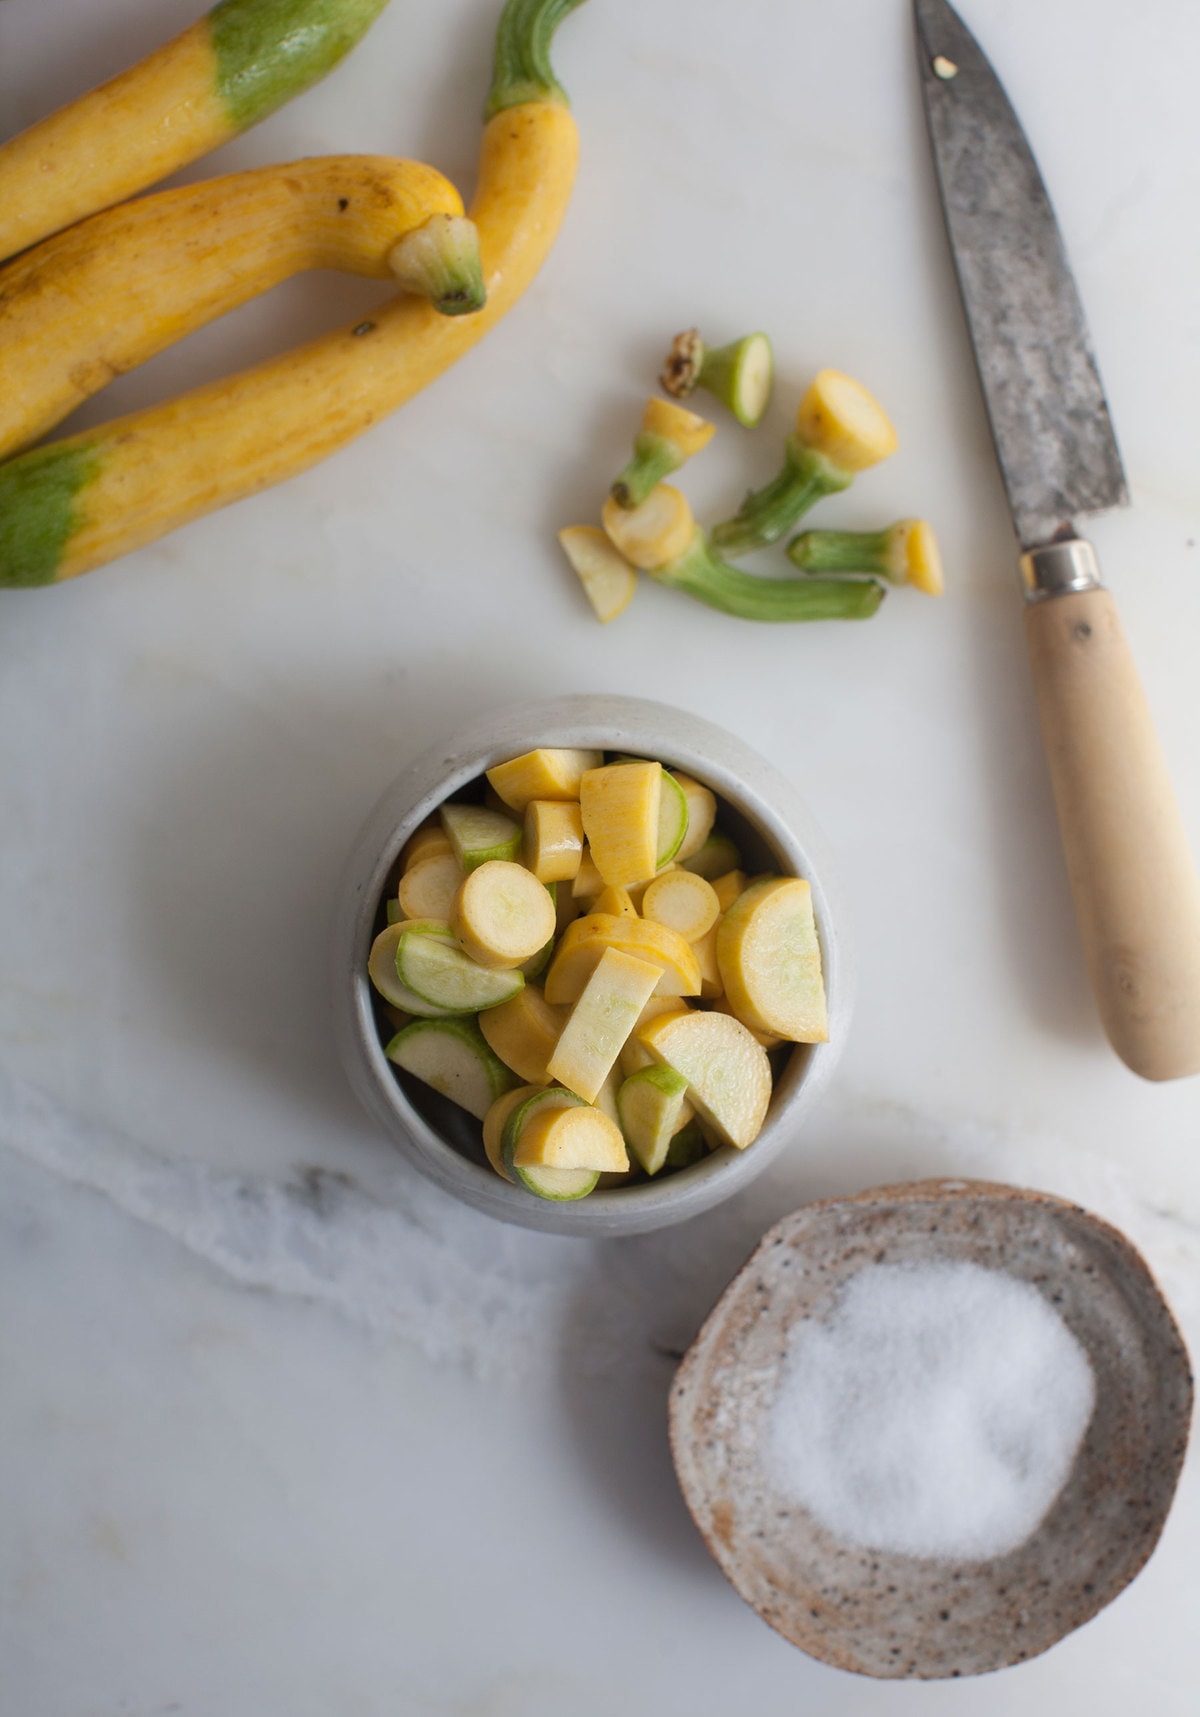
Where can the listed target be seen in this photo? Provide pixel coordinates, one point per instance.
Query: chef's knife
(1135, 888)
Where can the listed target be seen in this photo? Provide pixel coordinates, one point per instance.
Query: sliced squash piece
(546, 1096)
(566, 907)
(766, 1038)
(712, 1139)
(684, 902)
(637, 890)
(544, 1182)
(687, 1147)
(653, 1106)
(712, 984)
(701, 804)
(584, 942)
(608, 580)
(620, 805)
(477, 835)
(770, 961)
(657, 1006)
(615, 901)
(553, 846)
(537, 963)
(714, 858)
(381, 969)
(924, 557)
(673, 814)
(493, 1125)
(435, 969)
(428, 842)
(658, 530)
(606, 1098)
(502, 914)
(451, 1056)
(428, 887)
(588, 883)
(607, 1011)
(426, 927)
(524, 1031)
(728, 1074)
(728, 887)
(557, 1184)
(635, 1055)
(839, 418)
(547, 773)
(583, 1138)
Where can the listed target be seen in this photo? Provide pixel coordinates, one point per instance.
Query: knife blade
(1133, 880)
(1050, 420)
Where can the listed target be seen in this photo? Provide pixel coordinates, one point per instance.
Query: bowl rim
(752, 785)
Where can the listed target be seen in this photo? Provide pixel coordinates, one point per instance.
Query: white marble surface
(282, 1430)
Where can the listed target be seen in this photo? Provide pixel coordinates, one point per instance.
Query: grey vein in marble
(463, 1289)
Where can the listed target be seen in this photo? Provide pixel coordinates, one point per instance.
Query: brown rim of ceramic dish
(878, 1613)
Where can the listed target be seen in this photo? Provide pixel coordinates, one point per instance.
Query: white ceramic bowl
(771, 825)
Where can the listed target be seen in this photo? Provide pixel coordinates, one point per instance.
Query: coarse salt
(936, 1411)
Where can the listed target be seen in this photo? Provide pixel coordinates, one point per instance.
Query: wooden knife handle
(1136, 892)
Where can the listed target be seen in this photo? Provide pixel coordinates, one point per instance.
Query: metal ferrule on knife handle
(1058, 568)
(1133, 880)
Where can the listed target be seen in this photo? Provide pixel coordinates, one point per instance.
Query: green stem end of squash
(654, 457)
(703, 573)
(440, 261)
(267, 52)
(521, 68)
(39, 511)
(769, 513)
(741, 374)
(903, 553)
(850, 551)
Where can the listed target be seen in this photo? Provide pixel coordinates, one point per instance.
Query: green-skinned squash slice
(452, 1057)
(651, 1105)
(383, 973)
(478, 834)
(435, 969)
(552, 1183)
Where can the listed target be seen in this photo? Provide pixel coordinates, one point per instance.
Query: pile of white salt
(935, 1412)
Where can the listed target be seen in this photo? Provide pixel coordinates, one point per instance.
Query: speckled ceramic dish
(774, 830)
(887, 1615)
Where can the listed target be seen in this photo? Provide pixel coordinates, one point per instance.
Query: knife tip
(930, 13)
(937, 22)
(944, 44)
